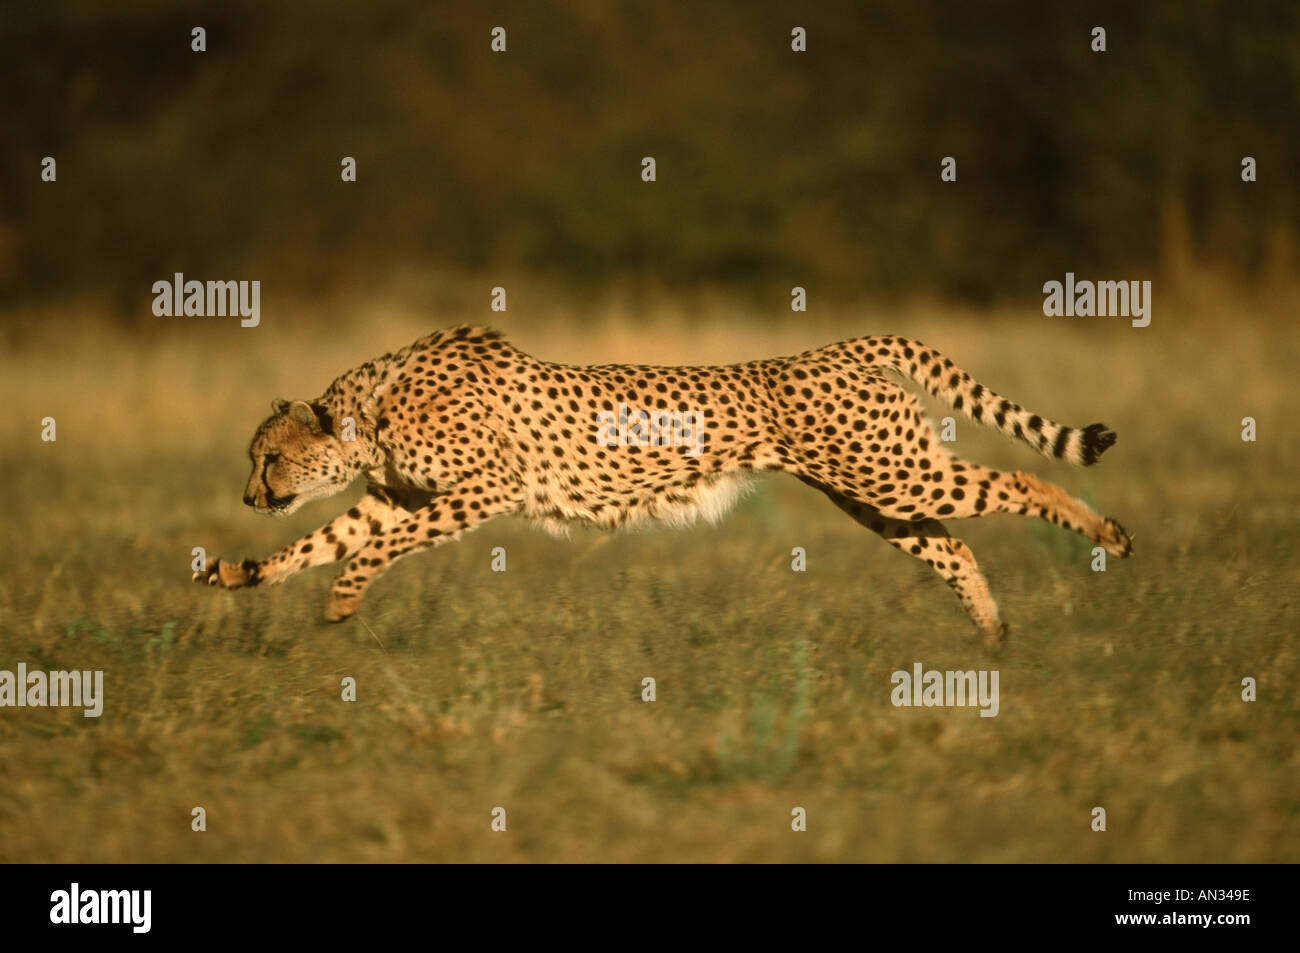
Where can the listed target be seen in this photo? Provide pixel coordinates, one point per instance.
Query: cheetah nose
(248, 500)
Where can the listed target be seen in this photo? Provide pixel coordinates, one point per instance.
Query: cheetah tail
(938, 375)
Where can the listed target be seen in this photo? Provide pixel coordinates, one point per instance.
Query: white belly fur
(709, 501)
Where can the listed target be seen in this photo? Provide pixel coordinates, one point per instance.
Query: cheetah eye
(271, 458)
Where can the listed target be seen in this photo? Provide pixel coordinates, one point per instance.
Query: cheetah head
(295, 459)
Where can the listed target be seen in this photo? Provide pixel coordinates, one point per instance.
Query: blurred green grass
(522, 689)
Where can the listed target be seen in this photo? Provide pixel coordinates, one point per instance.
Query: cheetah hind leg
(948, 556)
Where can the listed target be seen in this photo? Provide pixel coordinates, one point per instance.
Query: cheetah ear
(301, 411)
(279, 405)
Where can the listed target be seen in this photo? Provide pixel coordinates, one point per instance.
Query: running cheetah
(461, 426)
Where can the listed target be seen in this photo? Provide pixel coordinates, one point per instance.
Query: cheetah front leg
(445, 519)
(336, 540)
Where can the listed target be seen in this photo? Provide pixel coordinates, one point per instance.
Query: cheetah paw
(995, 637)
(228, 575)
(1115, 539)
(339, 607)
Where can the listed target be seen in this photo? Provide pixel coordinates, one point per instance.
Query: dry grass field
(521, 689)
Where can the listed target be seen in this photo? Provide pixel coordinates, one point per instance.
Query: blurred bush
(774, 168)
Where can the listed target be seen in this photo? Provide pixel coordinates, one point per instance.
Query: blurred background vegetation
(774, 168)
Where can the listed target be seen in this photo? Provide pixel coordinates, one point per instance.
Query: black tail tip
(1096, 441)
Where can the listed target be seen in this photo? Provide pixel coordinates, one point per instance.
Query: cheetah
(461, 427)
